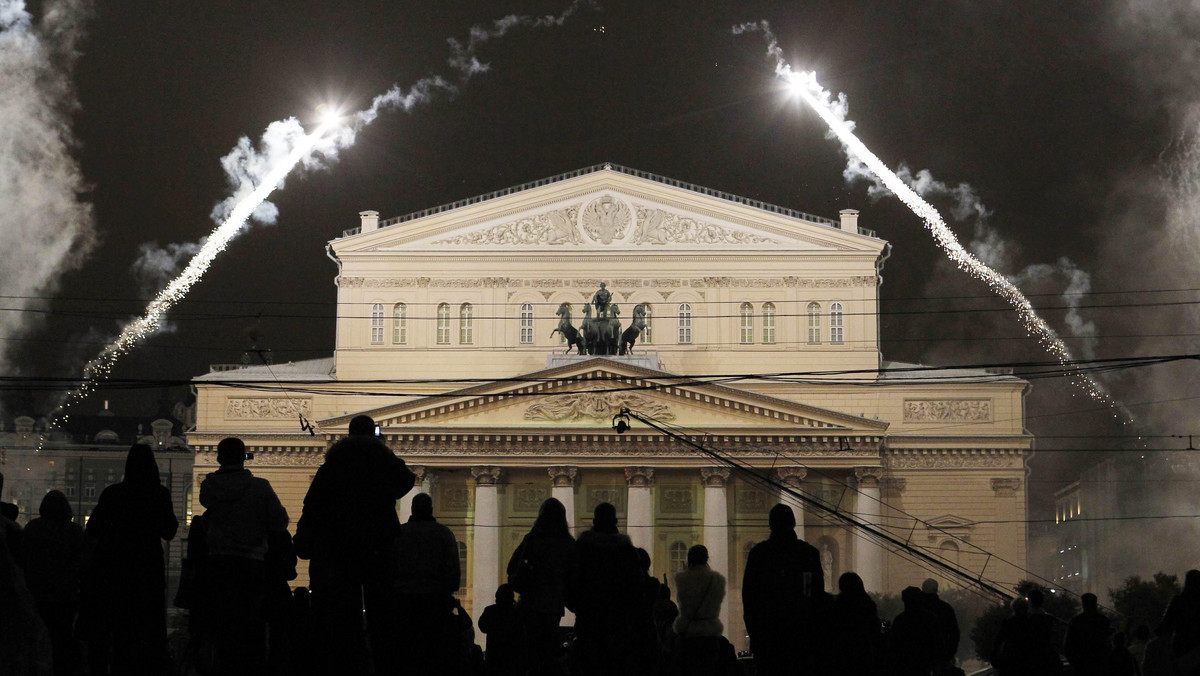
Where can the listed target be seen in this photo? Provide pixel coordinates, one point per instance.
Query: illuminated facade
(762, 338)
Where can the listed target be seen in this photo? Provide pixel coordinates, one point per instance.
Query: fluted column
(485, 557)
(868, 554)
(792, 479)
(563, 489)
(716, 525)
(404, 506)
(640, 510)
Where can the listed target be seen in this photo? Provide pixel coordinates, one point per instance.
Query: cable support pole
(848, 519)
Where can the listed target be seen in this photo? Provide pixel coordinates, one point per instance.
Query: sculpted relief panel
(552, 227)
(947, 410)
(267, 408)
(656, 226)
(599, 406)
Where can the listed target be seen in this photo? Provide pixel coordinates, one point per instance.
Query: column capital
(563, 475)
(485, 475)
(714, 476)
(639, 476)
(791, 476)
(868, 477)
(893, 484)
(1005, 488)
(418, 471)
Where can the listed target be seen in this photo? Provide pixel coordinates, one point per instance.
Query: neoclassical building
(761, 344)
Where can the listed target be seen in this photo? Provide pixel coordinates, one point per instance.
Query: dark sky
(1073, 122)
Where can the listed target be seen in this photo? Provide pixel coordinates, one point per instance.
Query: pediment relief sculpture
(606, 220)
(598, 406)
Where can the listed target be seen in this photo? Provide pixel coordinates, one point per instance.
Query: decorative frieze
(1005, 488)
(267, 408)
(613, 495)
(529, 499)
(598, 406)
(947, 410)
(679, 499)
(752, 501)
(657, 227)
(954, 459)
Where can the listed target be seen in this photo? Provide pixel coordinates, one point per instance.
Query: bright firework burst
(833, 111)
(100, 367)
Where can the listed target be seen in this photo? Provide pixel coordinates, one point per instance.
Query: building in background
(761, 342)
(87, 458)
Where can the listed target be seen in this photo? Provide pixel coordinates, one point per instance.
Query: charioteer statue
(600, 335)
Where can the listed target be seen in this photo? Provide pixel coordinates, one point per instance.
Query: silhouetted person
(346, 530)
(544, 570)
(609, 580)
(426, 577)
(1182, 622)
(645, 635)
(54, 556)
(502, 625)
(700, 647)
(9, 511)
(241, 513)
(1087, 643)
(782, 574)
(1121, 662)
(914, 644)
(1157, 660)
(1012, 653)
(126, 583)
(280, 565)
(1137, 646)
(665, 611)
(1044, 657)
(24, 643)
(859, 634)
(299, 640)
(947, 622)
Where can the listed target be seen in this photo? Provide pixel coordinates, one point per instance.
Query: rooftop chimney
(849, 220)
(370, 221)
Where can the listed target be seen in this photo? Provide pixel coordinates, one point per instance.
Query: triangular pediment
(586, 396)
(606, 210)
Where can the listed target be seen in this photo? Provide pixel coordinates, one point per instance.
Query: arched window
(462, 565)
(648, 332)
(747, 314)
(527, 323)
(768, 323)
(685, 322)
(949, 552)
(399, 324)
(836, 329)
(814, 323)
(443, 324)
(678, 557)
(377, 324)
(466, 324)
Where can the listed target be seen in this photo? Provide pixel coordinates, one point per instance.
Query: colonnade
(639, 517)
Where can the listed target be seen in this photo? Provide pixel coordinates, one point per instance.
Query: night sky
(1073, 123)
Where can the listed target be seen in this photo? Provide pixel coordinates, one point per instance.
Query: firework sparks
(832, 110)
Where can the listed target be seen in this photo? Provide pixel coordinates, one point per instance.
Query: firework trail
(255, 173)
(833, 111)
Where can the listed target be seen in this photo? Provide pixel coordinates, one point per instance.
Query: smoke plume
(45, 224)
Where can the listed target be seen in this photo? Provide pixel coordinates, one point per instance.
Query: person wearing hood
(783, 574)
(346, 530)
(241, 513)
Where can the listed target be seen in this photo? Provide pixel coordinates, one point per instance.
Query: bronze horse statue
(600, 334)
(569, 333)
(631, 334)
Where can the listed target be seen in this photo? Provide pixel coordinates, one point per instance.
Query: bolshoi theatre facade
(760, 343)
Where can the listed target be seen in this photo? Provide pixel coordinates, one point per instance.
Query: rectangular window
(89, 491)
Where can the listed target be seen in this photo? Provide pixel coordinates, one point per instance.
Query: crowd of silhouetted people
(381, 596)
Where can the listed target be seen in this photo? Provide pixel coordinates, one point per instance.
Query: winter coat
(610, 576)
(350, 509)
(700, 590)
(242, 511)
(128, 525)
(54, 553)
(545, 569)
(426, 558)
(782, 575)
